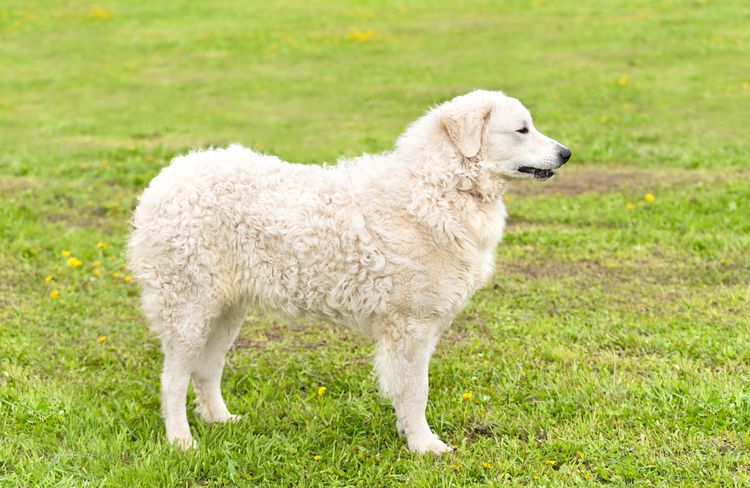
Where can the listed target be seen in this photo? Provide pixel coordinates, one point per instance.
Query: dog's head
(496, 131)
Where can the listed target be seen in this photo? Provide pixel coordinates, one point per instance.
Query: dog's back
(223, 226)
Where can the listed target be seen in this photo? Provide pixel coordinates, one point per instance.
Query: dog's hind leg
(174, 382)
(183, 338)
(402, 362)
(208, 367)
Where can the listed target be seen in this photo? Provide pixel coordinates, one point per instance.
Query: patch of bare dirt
(306, 336)
(260, 338)
(652, 269)
(602, 180)
(15, 184)
(554, 269)
(77, 221)
(478, 431)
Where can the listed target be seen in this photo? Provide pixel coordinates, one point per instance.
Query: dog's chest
(472, 262)
(489, 226)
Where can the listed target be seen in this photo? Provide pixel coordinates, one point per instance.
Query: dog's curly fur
(393, 245)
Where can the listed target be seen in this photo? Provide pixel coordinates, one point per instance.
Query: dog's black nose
(564, 155)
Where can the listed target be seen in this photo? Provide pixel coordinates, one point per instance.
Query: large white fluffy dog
(393, 245)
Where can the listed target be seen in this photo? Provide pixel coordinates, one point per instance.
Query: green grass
(611, 346)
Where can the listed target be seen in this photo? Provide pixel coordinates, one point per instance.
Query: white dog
(393, 245)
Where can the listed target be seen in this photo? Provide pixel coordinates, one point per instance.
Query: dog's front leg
(402, 361)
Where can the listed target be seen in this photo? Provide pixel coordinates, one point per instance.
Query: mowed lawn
(611, 347)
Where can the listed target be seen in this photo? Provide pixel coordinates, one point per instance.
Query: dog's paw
(216, 418)
(185, 443)
(428, 444)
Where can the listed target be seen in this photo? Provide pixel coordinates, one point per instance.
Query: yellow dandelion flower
(115, 275)
(102, 245)
(649, 197)
(65, 253)
(96, 264)
(586, 476)
(74, 262)
(102, 339)
(47, 279)
(322, 390)
(127, 278)
(550, 463)
(54, 294)
(467, 395)
(97, 272)
(316, 457)
(357, 35)
(630, 206)
(99, 13)
(487, 465)
(123, 266)
(623, 80)
(580, 455)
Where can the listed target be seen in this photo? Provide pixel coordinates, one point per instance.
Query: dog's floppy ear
(464, 123)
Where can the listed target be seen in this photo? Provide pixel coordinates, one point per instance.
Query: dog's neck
(478, 183)
(427, 152)
(444, 190)
(452, 176)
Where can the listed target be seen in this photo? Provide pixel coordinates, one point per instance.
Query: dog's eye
(523, 131)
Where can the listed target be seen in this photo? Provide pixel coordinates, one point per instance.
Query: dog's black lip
(538, 173)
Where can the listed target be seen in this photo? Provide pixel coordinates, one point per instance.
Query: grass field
(612, 346)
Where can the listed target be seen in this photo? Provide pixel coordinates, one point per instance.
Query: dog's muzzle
(538, 173)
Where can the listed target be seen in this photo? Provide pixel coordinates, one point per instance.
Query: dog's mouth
(537, 173)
